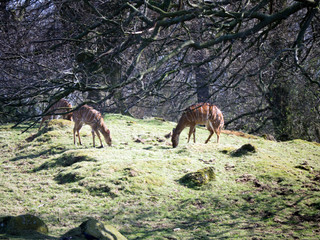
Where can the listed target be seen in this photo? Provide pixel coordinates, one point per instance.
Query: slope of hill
(134, 185)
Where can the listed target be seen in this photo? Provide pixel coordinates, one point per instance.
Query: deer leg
(98, 134)
(194, 135)
(191, 131)
(74, 134)
(45, 118)
(78, 127)
(211, 133)
(217, 131)
(78, 132)
(41, 123)
(211, 129)
(92, 131)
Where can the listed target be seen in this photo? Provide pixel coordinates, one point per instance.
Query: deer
(88, 115)
(200, 113)
(59, 108)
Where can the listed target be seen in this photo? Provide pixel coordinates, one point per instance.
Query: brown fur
(201, 113)
(92, 117)
(62, 106)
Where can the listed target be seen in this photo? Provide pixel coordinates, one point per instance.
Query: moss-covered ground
(272, 192)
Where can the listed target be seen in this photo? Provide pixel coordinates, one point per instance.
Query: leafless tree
(252, 58)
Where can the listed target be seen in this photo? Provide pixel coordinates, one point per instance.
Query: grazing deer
(87, 115)
(201, 113)
(59, 108)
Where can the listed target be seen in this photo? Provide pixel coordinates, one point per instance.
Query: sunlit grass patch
(134, 185)
(58, 124)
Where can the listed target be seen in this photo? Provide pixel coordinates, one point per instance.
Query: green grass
(134, 185)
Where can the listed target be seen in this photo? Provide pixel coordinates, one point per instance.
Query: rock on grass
(198, 178)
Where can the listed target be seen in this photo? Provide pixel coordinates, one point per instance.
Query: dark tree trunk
(279, 102)
(202, 84)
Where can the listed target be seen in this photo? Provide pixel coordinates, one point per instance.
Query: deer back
(60, 107)
(65, 106)
(201, 113)
(88, 115)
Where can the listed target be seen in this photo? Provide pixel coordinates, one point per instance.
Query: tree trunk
(279, 102)
(202, 84)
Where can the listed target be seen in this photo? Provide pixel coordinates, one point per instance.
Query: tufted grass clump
(243, 150)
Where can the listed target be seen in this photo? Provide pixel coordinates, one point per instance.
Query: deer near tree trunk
(200, 113)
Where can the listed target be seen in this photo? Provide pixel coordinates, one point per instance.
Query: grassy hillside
(134, 185)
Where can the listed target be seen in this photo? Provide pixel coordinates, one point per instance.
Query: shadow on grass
(68, 177)
(193, 225)
(259, 216)
(65, 160)
(37, 236)
(36, 135)
(165, 147)
(50, 151)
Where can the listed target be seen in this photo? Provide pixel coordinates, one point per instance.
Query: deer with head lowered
(88, 115)
(201, 113)
(59, 108)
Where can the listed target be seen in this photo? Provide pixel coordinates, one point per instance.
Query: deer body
(201, 113)
(92, 117)
(60, 107)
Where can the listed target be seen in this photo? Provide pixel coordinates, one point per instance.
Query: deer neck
(182, 124)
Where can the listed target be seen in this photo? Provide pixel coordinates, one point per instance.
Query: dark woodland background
(258, 61)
